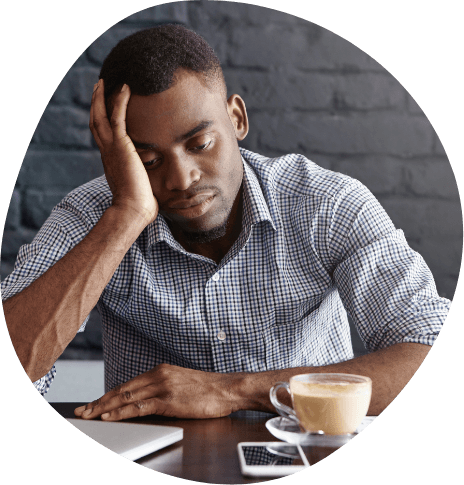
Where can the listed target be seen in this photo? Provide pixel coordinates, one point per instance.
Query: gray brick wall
(307, 91)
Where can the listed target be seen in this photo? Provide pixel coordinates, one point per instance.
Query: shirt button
(215, 277)
(221, 335)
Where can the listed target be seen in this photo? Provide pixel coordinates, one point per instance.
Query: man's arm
(46, 315)
(390, 370)
(43, 318)
(174, 391)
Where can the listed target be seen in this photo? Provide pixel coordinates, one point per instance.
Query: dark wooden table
(208, 451)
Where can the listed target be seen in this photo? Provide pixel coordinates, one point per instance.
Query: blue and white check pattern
(313, 243)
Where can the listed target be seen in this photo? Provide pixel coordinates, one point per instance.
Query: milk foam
(332, 407)
(327, 389)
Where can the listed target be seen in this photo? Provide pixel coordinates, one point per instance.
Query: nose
(181, 173)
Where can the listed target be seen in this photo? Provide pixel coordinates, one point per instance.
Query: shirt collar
(255, 210)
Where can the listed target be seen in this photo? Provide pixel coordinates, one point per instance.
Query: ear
(238, 116)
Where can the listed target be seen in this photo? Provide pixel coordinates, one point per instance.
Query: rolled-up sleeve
(386, 287)
(44, 383)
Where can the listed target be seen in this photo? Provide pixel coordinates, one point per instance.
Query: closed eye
(202, 147)
(150, 163)
(156, 161)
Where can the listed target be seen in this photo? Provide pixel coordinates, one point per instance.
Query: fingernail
(80, 409)
(87, 413)
(124, 88)
(105, 416)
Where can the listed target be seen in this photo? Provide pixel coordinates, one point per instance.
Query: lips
(196, 200)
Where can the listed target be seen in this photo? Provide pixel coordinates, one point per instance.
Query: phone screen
(272, 455)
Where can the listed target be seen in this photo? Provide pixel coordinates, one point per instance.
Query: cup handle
(282, 409)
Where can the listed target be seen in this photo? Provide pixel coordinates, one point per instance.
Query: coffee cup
(332, 404)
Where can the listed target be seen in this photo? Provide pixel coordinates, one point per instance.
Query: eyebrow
(202, 126)
(153, 146)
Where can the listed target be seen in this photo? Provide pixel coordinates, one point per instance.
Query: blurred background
(307, 91)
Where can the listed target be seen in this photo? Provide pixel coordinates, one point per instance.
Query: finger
(137, 409)
(133, 384)
(91, 405)
(91, 118)
(122, 399)
(99, 122)
(86, 411)
(129, 392)
(80, 410)
(118, 116)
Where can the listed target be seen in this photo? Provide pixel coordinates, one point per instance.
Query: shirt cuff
(43, 384)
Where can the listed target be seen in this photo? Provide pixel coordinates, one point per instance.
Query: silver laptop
(131, 440)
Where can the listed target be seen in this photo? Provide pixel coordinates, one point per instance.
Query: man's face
(187, 139)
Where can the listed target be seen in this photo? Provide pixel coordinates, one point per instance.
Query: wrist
(119, 229)
(130, 217)
(136, 212)
(250, 391)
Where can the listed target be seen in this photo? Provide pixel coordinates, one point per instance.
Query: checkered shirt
(314, 245)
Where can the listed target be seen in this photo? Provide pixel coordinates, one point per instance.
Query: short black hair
(147, 60)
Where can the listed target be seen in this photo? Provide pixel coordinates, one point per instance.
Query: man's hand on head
(165, 390)
(124, 170)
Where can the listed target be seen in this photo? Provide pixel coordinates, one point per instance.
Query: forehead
(175, 111)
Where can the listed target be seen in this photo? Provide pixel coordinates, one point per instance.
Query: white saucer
(287, 430)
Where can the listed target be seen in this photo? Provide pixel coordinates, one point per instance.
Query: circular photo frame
(308, 91)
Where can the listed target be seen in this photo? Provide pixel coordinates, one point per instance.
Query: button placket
(221, 335)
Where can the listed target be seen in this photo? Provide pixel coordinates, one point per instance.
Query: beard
(205, 236)
(201, 237)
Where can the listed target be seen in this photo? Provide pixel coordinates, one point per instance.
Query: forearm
(45, 316)
(390, 370)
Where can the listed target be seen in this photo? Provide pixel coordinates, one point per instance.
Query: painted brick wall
(307, 91)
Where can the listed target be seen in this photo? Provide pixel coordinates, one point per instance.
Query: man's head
(183, 127)
(148, 60)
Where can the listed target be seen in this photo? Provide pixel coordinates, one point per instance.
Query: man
(217, 272)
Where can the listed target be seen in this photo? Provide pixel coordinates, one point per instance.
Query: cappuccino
(332, 405)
